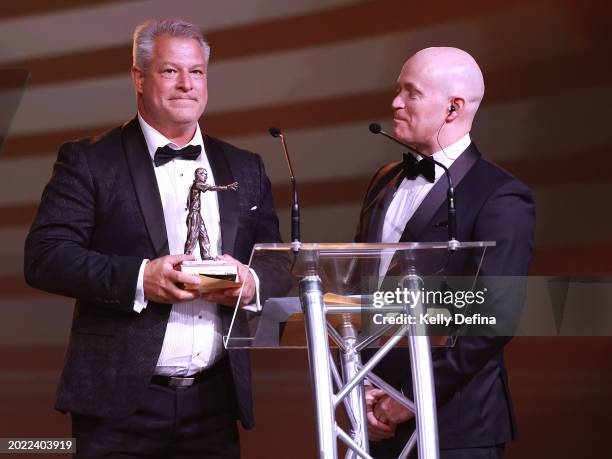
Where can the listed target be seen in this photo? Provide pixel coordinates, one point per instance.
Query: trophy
(214, 274)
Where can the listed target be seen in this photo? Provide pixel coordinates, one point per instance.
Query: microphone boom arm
(450, 194)
(295, 208)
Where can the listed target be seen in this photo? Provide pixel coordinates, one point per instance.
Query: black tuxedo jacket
(99, 217)
(474, 404)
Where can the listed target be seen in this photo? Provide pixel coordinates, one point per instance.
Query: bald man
(439, 91)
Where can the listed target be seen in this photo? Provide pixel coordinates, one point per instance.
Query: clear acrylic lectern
(351, 297)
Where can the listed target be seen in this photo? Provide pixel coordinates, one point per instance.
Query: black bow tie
(412, 168)
(166, 154)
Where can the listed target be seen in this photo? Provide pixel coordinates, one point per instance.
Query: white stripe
(86, 28)
(368, 64)
(352, 151)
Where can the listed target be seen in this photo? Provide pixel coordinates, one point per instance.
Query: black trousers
(381, 450)
(391, 449)
(195, 422)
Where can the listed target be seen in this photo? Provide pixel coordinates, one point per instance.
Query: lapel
(228, 200)
(374, 212)
(437, 195)
(145, 185)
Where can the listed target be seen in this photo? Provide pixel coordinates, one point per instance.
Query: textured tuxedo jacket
(99, 217)
(474, 404)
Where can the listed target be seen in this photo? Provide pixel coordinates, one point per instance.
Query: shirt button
(181, 174)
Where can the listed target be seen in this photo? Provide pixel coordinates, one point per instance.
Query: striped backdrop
(321, 70)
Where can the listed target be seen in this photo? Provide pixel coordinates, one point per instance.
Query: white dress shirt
(411, 193)
(193, 335)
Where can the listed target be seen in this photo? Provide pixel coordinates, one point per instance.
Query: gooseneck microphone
(450, 194)
(295, 208)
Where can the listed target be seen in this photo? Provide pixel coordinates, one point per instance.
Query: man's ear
(455, 108)
(137, 79)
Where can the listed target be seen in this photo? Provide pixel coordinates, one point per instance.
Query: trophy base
(214, 275)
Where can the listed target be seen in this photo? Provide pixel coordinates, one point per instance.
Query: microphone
(295, 209)
(375, 128)
(450, 194)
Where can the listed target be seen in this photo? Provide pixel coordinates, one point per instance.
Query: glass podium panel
(366, 284)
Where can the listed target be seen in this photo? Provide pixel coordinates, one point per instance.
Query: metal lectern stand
(336, 284)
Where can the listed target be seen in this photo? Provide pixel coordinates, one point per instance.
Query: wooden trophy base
(214, 275)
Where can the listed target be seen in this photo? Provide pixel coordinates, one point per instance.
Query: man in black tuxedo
(439, 91)
(146, 374)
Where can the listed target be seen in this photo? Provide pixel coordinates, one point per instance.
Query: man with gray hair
(438, 94)
(146, 374)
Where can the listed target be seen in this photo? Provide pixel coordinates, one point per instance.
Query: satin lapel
(377, 208)
(437, 195)
(145, 184)
(228, 200)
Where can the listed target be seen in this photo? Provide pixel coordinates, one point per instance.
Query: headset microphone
(450, 192)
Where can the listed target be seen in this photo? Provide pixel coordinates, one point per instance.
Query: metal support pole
(374, 360)
(350, 361)
(348, 441)
(336, 338)
(422, 376)
(389, 389)
(339, 383)
(426, 435)
(311, 296)
(408, 447)
(364, 342)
